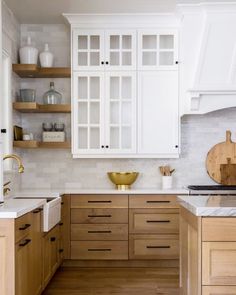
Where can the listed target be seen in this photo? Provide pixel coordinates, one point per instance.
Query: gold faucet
(18, 159)
(21, 169)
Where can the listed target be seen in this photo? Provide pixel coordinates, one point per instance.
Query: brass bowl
(123, 180)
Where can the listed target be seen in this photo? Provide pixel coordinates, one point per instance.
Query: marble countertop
(14, 208)
(209, 205)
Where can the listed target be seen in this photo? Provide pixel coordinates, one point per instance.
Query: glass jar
(52, 96)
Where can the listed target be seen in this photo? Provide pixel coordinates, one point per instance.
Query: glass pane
(149, 59)
(149, 42)
(126, 138)
(114, 113)
(166, 58)
(82, 42)
(83, 138)
(94, 112)
(94, 138)
(82, 112)
(126, 112)
(114, 138)
(114, 87)
(94, 58)
(114, 42)
(126, 59)
(114, 58)
(82, 58)
(94, 88)
(82, 88)
(166, 42)
(94, 42)
(126, 42)
(126, 91)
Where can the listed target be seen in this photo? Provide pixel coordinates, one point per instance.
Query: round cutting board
(221, 161)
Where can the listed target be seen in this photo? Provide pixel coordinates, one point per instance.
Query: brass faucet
(21, 169)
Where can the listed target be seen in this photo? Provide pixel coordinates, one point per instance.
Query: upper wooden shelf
(33, 107)
(33, 71)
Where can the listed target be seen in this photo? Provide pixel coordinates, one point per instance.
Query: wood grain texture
(218, 290)
(33, 107)
(153, 201)
(119, 281)
(99, 201)
(218, 155)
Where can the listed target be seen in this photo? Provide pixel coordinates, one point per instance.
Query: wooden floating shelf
(33, 144)
(33, 71)
(33, 107)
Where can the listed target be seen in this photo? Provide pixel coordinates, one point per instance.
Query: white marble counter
(209, 205)
(14, 208)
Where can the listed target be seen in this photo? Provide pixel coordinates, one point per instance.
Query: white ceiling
(50, 11)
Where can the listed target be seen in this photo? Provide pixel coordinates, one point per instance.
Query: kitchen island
(207, 245)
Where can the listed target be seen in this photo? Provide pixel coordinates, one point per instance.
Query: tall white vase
(46, 58)
(28, 53)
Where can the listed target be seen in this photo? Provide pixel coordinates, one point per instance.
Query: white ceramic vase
(46, 58)
(167, 182)
(28, 53)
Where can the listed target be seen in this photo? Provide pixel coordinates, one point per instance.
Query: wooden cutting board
(221, 161)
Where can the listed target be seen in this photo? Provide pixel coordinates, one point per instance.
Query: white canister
(167, 182)
(46, 58)
(28, 53)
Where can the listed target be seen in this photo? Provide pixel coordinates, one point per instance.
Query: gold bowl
(123, 180)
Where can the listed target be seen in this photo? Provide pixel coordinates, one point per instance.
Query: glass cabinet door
(121, 116)
(88, 50)
(88, 112)
(120, 49)
(157, 50)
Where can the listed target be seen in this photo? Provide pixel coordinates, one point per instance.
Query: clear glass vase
(52, 96)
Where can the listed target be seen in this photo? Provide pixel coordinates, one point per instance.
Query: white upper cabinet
(110, 50)
(157, 49)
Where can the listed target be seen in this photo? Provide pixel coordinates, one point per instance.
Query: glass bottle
(52, 96)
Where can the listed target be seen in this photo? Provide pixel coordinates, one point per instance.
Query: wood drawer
(99, 216)
(99, 201)
(99, 250)
(218, 290)
(153, 247)
(23, 226)
(154, 221)
(219, 260)
(99, 232)
(153, 201)
(219, 229)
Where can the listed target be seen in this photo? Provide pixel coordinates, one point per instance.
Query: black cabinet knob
(176, 146)
(102, 146)
(107, 63)
(176, 62)
(53, 239)
(3, 130)
(107, 146)
(102, 62)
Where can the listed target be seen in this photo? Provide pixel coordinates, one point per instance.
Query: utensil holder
(167, 182)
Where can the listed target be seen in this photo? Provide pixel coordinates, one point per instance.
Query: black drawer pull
(25, 226)
(99, 201)
(158, 247)
(61, 223)
(53, 239)
(157, 221)
(27, 241)
(99, 250)
(61, 250)
(37, 210)
(99, 231)
(157, 202)
(62, 203)
(105, 216)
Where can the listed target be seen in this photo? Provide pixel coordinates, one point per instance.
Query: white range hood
(208, 55)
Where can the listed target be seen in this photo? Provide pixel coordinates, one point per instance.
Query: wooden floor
(119, 281)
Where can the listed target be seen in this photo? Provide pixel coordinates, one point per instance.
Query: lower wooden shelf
(33, 144)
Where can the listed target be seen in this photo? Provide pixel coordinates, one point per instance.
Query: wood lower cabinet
(219, 290)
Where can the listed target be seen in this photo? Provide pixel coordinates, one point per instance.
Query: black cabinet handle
(62, 203)
(107, 146)
(99, 250)
(176, 62)
(102, 62)
(105, 216)
(27, 241)
(158, 247)
(25, 226)
(102, 146)
(99, 201)
(176, 146)
(149, 202)
(61, 250)
(157, 221)
(99, 231)
(3, 130)
(37, 210)
(107, 63)
(61, 223)
(53, 239)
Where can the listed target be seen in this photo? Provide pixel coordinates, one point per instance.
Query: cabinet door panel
(88, 50)
(121, 115)
(88, 113)
(120, 49)
(219, 290)
(158, 120)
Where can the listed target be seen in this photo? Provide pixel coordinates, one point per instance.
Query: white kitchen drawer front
(88, 50)
(157, 49)
(120, 49)
(88, 117)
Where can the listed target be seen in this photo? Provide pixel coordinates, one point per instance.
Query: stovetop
(212, 187)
